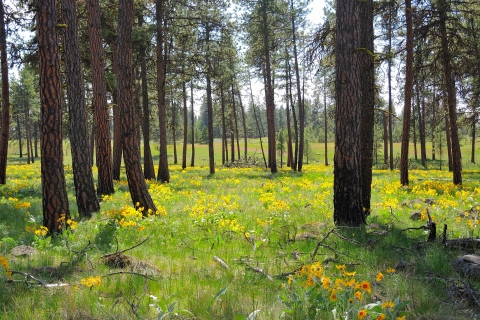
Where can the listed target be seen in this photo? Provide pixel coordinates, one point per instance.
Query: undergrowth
(241, 244)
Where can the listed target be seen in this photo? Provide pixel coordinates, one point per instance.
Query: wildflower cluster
(91, 281)
(4, 263)
(67, 222)
(212, 210)
(344, 296)
(42, 231)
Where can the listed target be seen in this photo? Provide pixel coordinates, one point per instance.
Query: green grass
(249, 219)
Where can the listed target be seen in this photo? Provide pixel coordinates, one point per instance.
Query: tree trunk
(117, 122)
(174, 131)
(451, 96)
(244, 125)
(5, 98)
(19, 135)
(301, 112)
(434, 123)
(148, 168)
(100, 105)
(289, 126)
(347, 199)
(390, 100)
(414, 130)
(136, 181)
(325, 131)
(270, 102)
(367, 83)
(192, 163)
(185, 125)
(27, 134)
(54, 190)
(449, 142)
(224, 129)
(163, 171)
(295, 122)
(234, 110)
(87, 201)
(385, 138)
(407, 109)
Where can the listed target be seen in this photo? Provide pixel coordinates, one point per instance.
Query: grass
(259, 225)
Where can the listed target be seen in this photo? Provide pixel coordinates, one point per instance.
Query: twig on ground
(223, 263)
(125, 250)
(320, 243)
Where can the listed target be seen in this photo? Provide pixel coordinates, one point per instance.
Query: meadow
(241, 244)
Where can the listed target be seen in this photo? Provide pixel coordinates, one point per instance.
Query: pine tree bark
(211, 156)
(54, 191)
(5, 133)
(192, 162)
(87, 201)
(347, 199)
(136, 181)
(244, 126)
(163, 171)
(451, 96)
(117, 122)
(269, 98)
(185, 125)
(407, 109)
(367, 82)
(148, 167)
(301, 111)
(100, 105)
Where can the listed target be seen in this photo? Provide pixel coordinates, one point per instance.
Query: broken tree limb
(222, 263)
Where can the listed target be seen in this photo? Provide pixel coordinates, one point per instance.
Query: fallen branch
(320, 243)
(223, 263)
(125, 250)
(258, 270)
(39, 282)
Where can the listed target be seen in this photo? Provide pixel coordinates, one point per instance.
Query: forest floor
(242, 244)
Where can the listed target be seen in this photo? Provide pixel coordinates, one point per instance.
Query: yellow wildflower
(379, 277)
(388, 305)
(362, 314)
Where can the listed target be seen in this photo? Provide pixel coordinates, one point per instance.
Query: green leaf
(172, 307)
(219, 293)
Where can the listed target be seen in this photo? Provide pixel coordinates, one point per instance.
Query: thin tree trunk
(5, 133)
(434, 123)
(136, 181)
(148, 167)
(27, 134)
(234, 110)
(325, 127)
(289, 126)
(449, 143)
(451, 97)
(301, 113)
(295, 122)
(185, 125)
(269, 98)
(407, 109)
(117, 122)
(19, 135)
(224, 130)
(414, 130)
(244, 125)
(163, 171)
(192, 163)
(174, 131)
(100, 105)
(87, 201)
(260, 136)
(385, 138)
